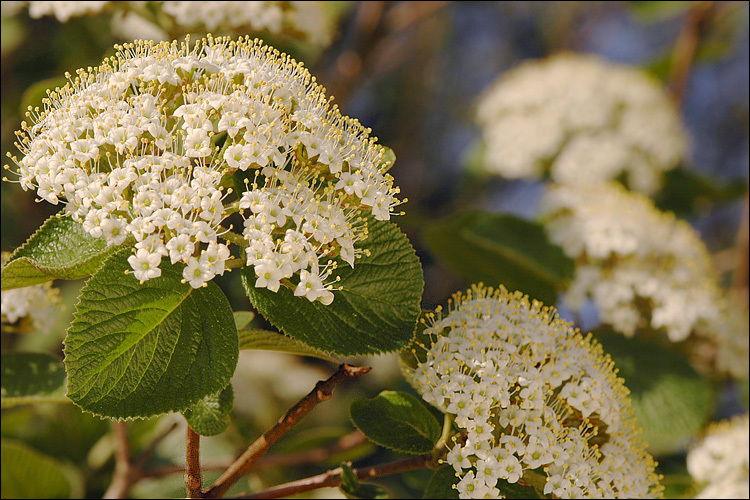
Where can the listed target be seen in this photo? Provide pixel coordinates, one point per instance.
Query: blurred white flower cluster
(304, 20)
(720, 462)
(308, 21)
(580, 118)
(39, 303)
(144, 145)
(63, 11)
(534, 399)
(642, 267)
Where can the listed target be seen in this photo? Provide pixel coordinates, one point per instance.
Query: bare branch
(322, 391)
(193, 478)
(333, 477)
(121, 480)
(697, 19)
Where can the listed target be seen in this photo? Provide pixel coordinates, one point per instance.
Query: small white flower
(196, 273)
(145, 264)
(113, 230)
(180, 248)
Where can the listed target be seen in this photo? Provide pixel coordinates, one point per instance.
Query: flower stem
(230, 236)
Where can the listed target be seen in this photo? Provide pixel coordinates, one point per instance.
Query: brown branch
(333, 477)
(193, 479)
(121, 480)
(126, 473)
(683, 55)
(322, 391)
(740, 273)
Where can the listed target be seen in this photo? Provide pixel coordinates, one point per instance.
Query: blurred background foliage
(412, 71)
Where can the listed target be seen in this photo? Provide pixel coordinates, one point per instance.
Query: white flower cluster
(305, 20)
(720, 462)
(63, 11)
(580, 118)
(536, 401)
(642, 267)
(143, 146)
(37, 302)
(308, 21)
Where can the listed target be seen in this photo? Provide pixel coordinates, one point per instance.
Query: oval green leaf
(671, 401)
(263, 340)
(210, 415)
(375, 311)
(396, 420)
(29, 474)
(138, 350)
(31, 377)
(501, 249)
(60, 249)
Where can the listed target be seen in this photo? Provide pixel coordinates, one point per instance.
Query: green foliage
(210, 415)
(686, 191)
(138, 350)
(60, 249)
(501, 249)
(442, 484)
(516, 490)
(27, 473)
(375, 311)
(671, 401)
(658, 11)
(352, 488)
(396, 420)
(263, 340)
(243, 318)
(30, 377)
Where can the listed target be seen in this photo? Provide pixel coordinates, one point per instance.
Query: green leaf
(653, 11)
(349, 481)
(442, 484)
(389, 158)
(374, 312)
(60, 249)
(30, 377)
(352, 488)
(27, 473)
(243, 318)
(686, 191)
(516, 490)
(138, 350)
(210, 415)
(671, 401)
(396, 420)
(263, 340)
(501, 249)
